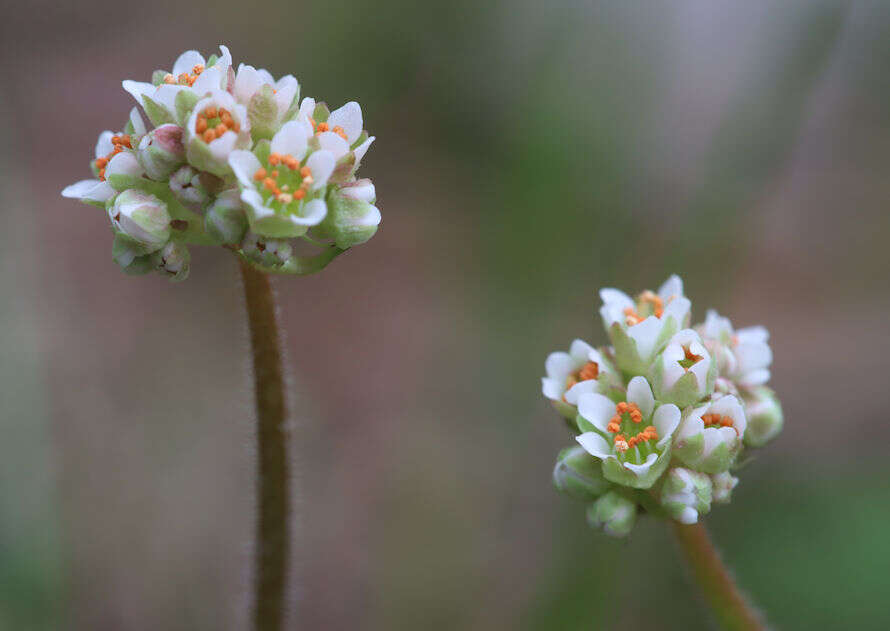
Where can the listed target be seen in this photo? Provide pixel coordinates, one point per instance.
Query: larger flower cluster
(232, 158)
(662, 415)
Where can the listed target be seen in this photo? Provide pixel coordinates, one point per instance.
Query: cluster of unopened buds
(234, 159)
(662, 415)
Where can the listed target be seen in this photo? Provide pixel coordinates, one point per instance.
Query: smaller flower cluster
(662, 414)
(232, 158)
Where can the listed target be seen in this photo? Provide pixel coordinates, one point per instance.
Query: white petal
(678, 308)
(731, 407)
(247, 82)
(716, 436)
(371, 218)
(362, 190)
(597, 409)
(291, 139)
(329, 141)
(582, 387)
(221, 147)
(138, 89)
(322, 164)
(688, 515)
(209, 80)
(186, 61)
(559, 365)
(692, 424)
(124, 163)
(313, 213)
(551, 388)
(673, 286)
(594, 356)
(645, 334)
(253, 199)
(89, 190)
(755, 378)
(639, 392)
(580, 350)
(104, 146)
(285, 91)
(752, 334)
(362, 149)
(617, 297)
(349, 117)
(137, 122)
(244, 164)
(307, 106)
(666, 419)
(753, 356)
(225, 58)
(641, 469)
(595, 445)
(266, 76)
(165, 95)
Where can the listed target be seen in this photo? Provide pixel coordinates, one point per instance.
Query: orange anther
(198, 68)
(226, 119)
(269, 183)
(115, 140)
(613, 428)
(201, 125)
(209, 135)
(274, 158)
(299, 194)
(221, 129)
(102, 174)
(125, 140)
(306, 172)
(322, 127)
(621, 407)
(169, 78)
(184, 77)
(211, 112)
(589, 371)
(292, 163)
(101, 162)
(275, 173)
(260, 174)
(340, 132)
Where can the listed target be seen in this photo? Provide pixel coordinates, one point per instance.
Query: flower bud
(613, 513)
(129, 255)
(579, 475)
(173, 259)
(161, 151)
(710, 436)
(189, 186)
(143, 218)
(765, 417)
(686, 494)
(266, 252)
(723, 484)
(352, 218)
(225, 220)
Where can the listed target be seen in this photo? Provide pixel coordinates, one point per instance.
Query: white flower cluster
(232, 158)
(662, 414)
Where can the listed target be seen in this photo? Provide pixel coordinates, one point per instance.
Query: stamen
(169, 78)
(322, 127)
(340, 132)
(589, 371)
(260, 174)
(713, 420)
(620, 443)
(300, 194)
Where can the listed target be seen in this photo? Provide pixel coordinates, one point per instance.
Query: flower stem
(731, 609)
(272, 534)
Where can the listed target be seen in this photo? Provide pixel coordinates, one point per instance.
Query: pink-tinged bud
(161, 151)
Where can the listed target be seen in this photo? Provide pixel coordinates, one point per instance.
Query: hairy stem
(731, 609)
(272, 541)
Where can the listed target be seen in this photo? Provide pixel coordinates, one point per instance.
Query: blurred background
(528, 153)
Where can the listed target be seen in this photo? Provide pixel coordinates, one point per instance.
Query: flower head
(234, 159)
(665, 410)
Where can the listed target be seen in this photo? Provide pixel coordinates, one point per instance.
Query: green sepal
(627, 357)
(277, 226)
(343, 170)
(262, 111)
(185, 102)
(262, 149)
(211, 61)
(131, 255)
(321, 113)
(362, 138)
(613, 513)
(690, 451)
(340, 222)
(157, 114)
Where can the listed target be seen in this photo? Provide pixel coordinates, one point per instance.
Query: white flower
(249, 81)
(141, 217)
(639, 433)
(216, 127)
(113, 157)
(341, 130)
(743, 356)
(190, 74)
(686, 494)
(569, 375)
(640, 328)
(764, 414)
(711, 434)
(283, 194)
(683, 372)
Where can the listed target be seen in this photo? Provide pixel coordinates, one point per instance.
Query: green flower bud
(129, 255)
(579, 475)
(266, 252)
(723, 484)
(173, 259)
(613, 513)
(225, 220)
(765, 417)
(686, 494)
(161, 151)
(352, 217)
(143, 218)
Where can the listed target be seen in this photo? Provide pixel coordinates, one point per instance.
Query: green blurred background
(527, 154)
